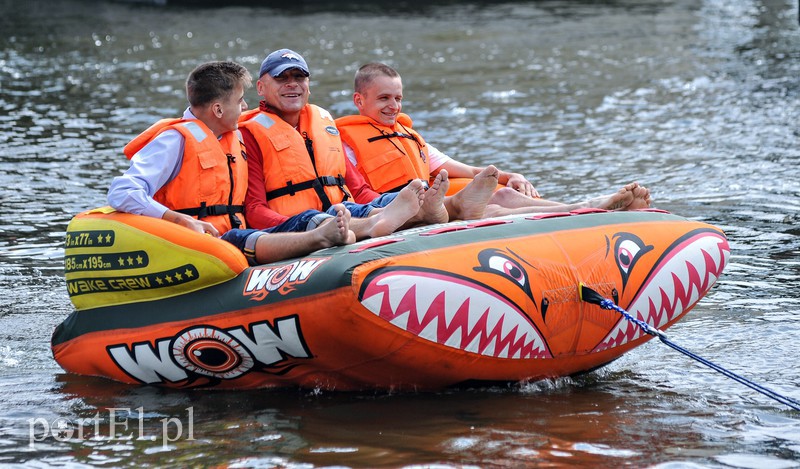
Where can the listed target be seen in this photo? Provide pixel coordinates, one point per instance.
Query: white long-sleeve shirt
(151, 168)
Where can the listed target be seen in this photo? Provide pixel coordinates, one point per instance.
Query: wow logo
(283, 278)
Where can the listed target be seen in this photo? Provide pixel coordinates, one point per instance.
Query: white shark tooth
(683, 271)
(715, 251)
(473, 317)
(454, 340)
(398, 286)
(426, 294)
(504, 352)
(518, 352)
(478, 309)
(511, 321)
(453, 300)
(430, 331)
(374, 303)
(665, 289)
(474, 345)
(401, 320)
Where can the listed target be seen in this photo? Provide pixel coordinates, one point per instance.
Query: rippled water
(698, 100)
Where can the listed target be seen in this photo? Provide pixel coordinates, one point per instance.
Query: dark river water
(697, 99)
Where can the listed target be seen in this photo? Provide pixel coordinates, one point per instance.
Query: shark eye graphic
(508, 268)
(626, 254)
(497, 262)
(628, 249)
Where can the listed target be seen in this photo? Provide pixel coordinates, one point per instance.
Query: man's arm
(457, 169)
(256, 211)
(151, 168)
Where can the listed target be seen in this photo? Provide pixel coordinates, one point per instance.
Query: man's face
(381, 100)
(232, 108)
(286, 93)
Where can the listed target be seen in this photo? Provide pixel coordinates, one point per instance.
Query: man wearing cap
(191, 171)
(296, 162)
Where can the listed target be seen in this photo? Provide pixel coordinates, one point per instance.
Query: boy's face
(381, 100)
(232, 108)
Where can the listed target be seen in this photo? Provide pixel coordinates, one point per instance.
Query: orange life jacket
(388, 157)
(212, 181)
(302, 170)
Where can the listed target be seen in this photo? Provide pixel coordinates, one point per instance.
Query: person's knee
(317, 220)
(505, 192)
(504, 195)
(249, 248)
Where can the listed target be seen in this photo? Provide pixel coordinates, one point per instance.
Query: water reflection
(585, 422)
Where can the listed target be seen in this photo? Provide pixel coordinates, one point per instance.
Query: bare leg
(619, 200)
(386, 220)
(509, 198)
(470, 202)
(274, 247)
(433, 210)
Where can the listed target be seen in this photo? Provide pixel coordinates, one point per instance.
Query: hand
(520, 184)
(203, 227)
(184, 220)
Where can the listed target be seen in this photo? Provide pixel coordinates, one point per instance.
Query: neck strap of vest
(391, 135)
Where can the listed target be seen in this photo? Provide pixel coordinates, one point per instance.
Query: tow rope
(590, 296)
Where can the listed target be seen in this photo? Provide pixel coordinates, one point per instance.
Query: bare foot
(616, 201)
(336, 231)
(641, 198)
(470, 202)
(433, 210)
(388, 219)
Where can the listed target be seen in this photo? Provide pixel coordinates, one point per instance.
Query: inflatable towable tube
(489, 300)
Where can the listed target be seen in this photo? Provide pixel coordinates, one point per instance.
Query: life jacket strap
(318, 184)
(392, 135)
(204, 211)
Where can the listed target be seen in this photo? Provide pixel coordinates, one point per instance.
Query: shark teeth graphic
(689, 269)
(454, 312)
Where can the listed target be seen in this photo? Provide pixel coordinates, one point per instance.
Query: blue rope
(608, 304)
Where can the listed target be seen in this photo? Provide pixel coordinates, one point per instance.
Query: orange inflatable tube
(487, 301)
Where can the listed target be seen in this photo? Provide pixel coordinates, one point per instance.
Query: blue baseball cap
(281, 60)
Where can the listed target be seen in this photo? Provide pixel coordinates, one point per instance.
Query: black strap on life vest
(391, 135)
(204, 211)
(318, 184)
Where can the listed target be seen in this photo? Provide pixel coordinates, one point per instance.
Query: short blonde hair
(368, 72)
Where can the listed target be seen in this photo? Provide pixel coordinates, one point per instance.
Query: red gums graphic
(526, 346)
